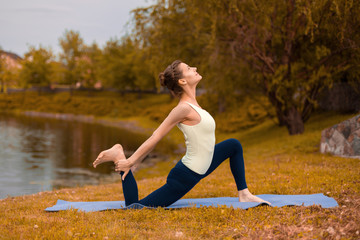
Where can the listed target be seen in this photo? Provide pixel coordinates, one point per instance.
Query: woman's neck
(189, 95)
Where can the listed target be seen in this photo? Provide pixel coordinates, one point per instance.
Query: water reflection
(38, 154)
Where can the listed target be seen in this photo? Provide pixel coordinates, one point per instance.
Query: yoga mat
(275, 200)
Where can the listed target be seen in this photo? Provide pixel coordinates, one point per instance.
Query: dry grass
(275, 163)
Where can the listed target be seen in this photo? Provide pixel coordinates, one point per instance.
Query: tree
(287, 50)
(73, 46)
(144, 78)
(295, 48)
(116, 68)
(124, 66)
(182, 29)
(164, 32)
(58, 72)
(89, 66)
(36, 67)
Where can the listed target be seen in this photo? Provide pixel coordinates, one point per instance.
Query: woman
(202, 155)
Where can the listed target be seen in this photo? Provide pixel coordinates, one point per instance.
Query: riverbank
(148, 110)
(276, 163)
(108, 108)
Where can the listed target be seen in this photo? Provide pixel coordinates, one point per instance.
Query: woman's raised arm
(178, 114)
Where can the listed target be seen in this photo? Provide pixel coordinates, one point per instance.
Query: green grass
(276, 163)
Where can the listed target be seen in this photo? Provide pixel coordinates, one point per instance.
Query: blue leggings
(181, 179)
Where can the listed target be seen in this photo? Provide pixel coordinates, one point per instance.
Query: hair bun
(170, 76)
(162, 79)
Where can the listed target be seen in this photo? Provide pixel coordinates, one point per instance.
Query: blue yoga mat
(275, 200)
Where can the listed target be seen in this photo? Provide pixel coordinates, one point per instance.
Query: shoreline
(130, 125)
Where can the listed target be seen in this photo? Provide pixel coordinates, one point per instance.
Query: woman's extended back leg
(179, 181)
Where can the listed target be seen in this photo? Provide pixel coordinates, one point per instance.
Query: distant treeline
(289, 51)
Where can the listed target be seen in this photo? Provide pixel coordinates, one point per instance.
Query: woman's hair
(170, 77)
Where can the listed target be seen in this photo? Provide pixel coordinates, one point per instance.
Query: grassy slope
(275, 163)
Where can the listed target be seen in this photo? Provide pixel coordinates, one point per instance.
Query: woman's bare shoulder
(183, 106)
(181, 110)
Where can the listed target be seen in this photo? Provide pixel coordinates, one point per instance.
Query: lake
(41, 154)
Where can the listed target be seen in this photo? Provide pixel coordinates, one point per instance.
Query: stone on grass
(342, 139)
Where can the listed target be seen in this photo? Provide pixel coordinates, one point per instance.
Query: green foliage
(58, 72)
(89, 65)
(289, 50)
(73, 46)
(123, 66)
(301, 50)
(165, 32)
(36, 67)
(117, 64)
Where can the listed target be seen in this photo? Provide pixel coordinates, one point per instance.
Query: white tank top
(200, 142)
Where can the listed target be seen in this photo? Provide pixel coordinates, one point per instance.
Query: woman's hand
(123, 165)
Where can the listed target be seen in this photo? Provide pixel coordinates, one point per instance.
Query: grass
(276, 163)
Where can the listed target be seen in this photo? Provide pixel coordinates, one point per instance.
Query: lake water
(41, 154)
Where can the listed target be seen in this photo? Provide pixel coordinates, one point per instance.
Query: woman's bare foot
(110, 155)
(246, 196)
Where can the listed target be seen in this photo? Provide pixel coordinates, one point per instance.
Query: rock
(342, 139)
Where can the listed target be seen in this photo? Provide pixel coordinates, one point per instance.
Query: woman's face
(190, 74)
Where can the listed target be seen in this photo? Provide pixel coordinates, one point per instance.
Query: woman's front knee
(236, 144)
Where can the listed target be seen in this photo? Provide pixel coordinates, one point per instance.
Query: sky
(25, 23)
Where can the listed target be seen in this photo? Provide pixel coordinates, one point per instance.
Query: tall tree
(73, 46)
(182, 29)
(288, 50)
(164, 32)
(295, 48)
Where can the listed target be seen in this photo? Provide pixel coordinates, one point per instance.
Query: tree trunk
(280, 117)
(278, 108)
(294, 122)
(308, 108)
